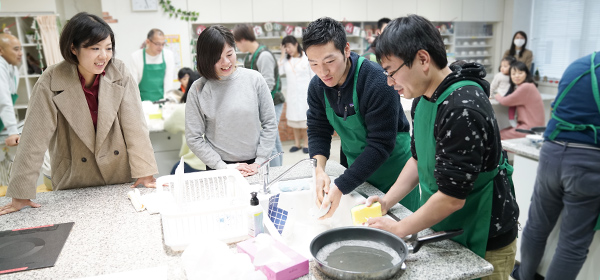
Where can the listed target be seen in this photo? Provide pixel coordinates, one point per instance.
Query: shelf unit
(20, 25)
(474, 42)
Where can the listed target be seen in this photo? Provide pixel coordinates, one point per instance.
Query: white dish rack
(206, 204)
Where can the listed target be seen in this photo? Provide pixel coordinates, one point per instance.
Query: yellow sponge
(360, 213)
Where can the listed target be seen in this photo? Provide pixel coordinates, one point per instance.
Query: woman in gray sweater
(229, 115)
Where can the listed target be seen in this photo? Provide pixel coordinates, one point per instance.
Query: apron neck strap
(255, 55)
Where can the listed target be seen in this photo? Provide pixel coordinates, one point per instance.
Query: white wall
(66, 9)
(25, 6)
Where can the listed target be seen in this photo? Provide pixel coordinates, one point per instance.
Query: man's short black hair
(405, 36)
(323, 31)
(84, 30)
(382, 21)
(209, 48)
(244, 31)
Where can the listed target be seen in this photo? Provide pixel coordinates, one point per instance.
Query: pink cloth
(530, 109)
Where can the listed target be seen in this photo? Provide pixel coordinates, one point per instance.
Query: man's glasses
(157, 44)
(391, 75)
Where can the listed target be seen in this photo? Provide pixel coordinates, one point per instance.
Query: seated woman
(524, 95)
(87, 112)
(229, 115)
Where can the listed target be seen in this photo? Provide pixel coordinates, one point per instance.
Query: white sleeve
(7, 111)
(170, 67)
(494, 85)
(137, 66)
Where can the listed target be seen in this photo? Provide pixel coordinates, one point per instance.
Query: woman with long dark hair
(518, 49)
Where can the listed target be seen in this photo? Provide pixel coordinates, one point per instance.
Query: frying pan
(362, 233)
(539, 130)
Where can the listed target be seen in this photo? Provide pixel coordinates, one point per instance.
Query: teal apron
(474, 218)
(153, 80)
(353, 134)
(254, 57)
(564, 125)
(14, 97)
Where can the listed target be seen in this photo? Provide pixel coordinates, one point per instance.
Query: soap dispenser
(255, 217)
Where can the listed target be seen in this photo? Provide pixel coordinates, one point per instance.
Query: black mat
(32, 248)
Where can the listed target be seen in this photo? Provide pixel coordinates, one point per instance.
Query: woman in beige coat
(87, 111)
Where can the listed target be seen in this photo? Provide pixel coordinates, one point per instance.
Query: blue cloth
(278, 161)
(186, 168)
(379, 107)
(578, 106)
(567, 184)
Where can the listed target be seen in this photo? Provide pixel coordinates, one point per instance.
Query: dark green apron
(14, 97)
(474, 218)
(353, 135)
(153, 80)
(564, 125)
(254, 57)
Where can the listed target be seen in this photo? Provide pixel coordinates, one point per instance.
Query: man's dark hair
(382, 21)
(244, 31)
(84, 30)
(405, 36)
(323, 31)
(154, 31)
(518, 65)
(292, 40)
(209, 48)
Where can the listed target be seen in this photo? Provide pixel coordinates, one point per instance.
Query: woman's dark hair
(291, 40)
(323, 31)
(518, 65)
(509, 59)
(405, 36)
(244, 31)
(209, 47)
(184, 71)
(84, 30)
(193, 77)
(513, 50)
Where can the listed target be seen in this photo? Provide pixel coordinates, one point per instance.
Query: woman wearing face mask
(229, 114)
(519, 51)
(525, 97)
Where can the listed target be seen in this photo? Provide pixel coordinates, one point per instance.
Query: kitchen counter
(109, 236)
(522, 147)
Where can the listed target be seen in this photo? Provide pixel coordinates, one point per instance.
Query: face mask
(519, 42)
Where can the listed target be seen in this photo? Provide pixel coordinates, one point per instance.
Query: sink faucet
(264, 172)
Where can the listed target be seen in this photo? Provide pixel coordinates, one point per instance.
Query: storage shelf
(476, 46)
(474, 37)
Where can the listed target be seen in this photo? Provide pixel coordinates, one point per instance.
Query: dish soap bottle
(255, 217)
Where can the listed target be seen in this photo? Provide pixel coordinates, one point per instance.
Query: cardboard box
(293, 267)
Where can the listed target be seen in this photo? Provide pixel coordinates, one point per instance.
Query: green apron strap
(255, 55)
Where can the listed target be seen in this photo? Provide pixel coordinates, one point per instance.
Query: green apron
(14, 97)
(153, 80)
(474, 218)
(564, 125)
(353, 134)
(254, 57)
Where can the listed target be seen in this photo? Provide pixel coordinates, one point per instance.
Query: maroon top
(91, 95)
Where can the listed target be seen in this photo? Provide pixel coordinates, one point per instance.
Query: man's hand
(334, 195)
(16, 205)
(148, 182)
(12, 140)
(322, 181)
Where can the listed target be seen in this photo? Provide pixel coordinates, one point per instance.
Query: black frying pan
(362, 269)
(539, 130)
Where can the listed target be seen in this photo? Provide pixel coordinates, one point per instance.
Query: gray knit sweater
(235, 115)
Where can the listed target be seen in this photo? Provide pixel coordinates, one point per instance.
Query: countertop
(522, 147)
(109, 236)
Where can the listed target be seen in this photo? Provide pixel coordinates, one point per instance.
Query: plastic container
(207, 204)
(255, 217)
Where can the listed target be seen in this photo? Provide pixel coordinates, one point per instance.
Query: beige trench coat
(58, 119)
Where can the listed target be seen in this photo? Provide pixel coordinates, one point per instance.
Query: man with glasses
(153, 67)
(349, 95)
(457, 157)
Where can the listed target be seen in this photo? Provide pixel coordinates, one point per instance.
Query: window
(563, 31)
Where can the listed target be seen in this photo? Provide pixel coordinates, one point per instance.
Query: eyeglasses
(391, 75)
(157, 44)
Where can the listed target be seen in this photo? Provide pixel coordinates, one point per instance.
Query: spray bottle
(255, 217)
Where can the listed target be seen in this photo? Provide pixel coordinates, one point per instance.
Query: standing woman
(87, 111)
(524, 95)
(298, 76)
(229, 115)
(519, 51)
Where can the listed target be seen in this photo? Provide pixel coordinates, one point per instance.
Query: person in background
(567, 177)
(381, 24)
(501, 82)
(11, 54)
(86, 110)
(349, 95)
(153, 67)
(176, 123)
(524, 96)
(229, 115)
(457, 157)
(294, 65)
(518, 50)
(259, 58)
(184, 75)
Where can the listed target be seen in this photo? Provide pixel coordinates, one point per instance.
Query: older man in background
(11, 54)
